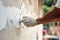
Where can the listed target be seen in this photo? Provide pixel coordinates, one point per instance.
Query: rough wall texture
(22, 33)
(10, 32)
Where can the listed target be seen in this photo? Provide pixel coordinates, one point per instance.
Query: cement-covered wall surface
(11, 12)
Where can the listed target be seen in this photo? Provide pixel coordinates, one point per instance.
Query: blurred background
(50, 30)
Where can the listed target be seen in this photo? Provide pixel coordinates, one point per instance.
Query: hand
(29, 21)
(38, 21)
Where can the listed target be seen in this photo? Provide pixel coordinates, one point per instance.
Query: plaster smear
(11, 12)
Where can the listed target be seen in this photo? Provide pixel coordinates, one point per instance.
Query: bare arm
(54, 14)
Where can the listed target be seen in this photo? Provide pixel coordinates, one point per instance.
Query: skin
(52, 16)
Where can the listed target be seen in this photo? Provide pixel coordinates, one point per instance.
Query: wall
(25, 8)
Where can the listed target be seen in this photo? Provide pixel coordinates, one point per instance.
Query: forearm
(55, 13)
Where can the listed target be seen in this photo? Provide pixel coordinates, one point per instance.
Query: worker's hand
(41, 21)
(38, 21)
(29, 21)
